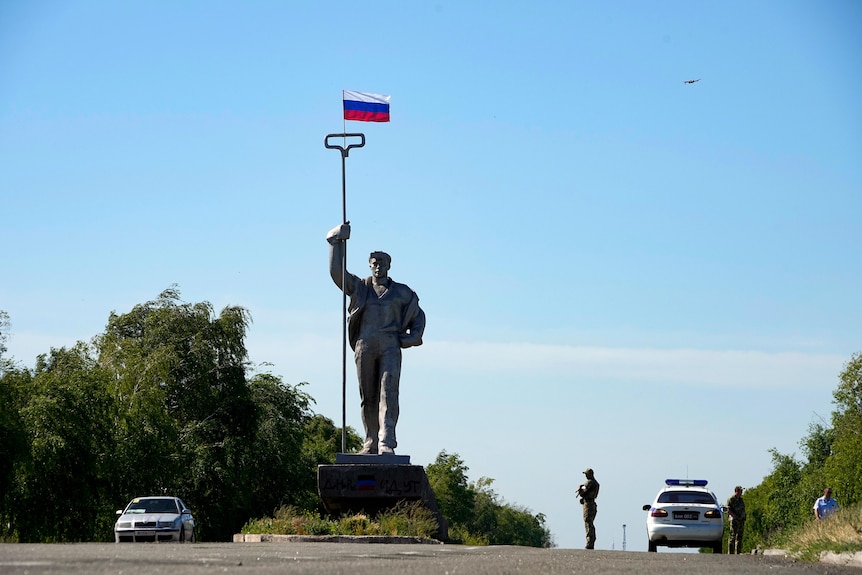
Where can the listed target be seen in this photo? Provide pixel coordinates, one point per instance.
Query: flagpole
(345, 150)
(370, 108)
(344, 305)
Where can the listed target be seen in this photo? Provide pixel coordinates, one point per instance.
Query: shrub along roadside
(779, 509)
(841, 533)
(409, 519)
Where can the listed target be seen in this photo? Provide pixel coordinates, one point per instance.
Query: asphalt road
(376, 559)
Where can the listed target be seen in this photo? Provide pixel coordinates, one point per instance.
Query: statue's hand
(339, 233)
(408, 340)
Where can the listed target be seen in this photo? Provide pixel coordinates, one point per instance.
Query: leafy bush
(841, 532)
(289, 520)
(409, 519)
(476, 514)
(780, 508)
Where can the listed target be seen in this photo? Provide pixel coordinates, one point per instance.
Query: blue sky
(619, 270)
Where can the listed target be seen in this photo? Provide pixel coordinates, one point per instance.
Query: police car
(685, 514)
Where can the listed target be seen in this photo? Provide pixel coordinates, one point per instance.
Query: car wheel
(652, 547)
(182, 534)
(716, 548)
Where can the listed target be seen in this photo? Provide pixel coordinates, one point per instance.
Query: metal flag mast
(345, 151)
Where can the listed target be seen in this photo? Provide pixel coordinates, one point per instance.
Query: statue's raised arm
(337, 237)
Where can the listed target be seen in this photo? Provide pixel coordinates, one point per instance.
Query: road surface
(377, 559)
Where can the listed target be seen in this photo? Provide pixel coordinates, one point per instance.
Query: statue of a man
(383, 317)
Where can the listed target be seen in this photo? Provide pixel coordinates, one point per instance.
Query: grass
(406, 519)
(842, 532)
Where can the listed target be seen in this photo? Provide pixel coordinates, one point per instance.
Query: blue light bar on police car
(693, 482)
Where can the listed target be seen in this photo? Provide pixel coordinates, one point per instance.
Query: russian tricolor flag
(365, 107)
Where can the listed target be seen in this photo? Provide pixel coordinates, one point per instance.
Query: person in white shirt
(825, 506)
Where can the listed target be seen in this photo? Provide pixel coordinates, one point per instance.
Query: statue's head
(379, 262)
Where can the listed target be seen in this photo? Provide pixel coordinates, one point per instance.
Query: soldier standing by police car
(588, 492)
(736, 510)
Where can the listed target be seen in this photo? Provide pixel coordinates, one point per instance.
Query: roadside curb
(775, 553)
(269, 538)
(843, 559)
(847, 559)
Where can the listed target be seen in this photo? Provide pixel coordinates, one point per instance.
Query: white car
(685, 514)
(153, 520)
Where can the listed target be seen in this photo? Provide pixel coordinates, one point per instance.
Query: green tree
(12, 446)
(516, 525)
(181, 371)
(63, 482)
(275, 467)
(817, 445)
(777, 505)
(476, 514)
(843, 469)
(4, 333)
(165, 408)
(506, 524)
(13, 440)
(833, 456)
(233, 446)
(6, 364)
(448, 479)
(322, 440)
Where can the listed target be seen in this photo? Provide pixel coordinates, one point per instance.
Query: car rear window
(686, 497)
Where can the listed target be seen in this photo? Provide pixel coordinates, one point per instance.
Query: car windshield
(686, 497)
(153, 506)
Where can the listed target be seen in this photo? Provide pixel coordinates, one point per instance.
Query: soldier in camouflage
(736, 510)
(588, 492)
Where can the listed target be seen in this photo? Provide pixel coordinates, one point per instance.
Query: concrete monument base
(377, 458)
(374, 486)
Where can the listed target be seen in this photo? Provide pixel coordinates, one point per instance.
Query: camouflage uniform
(588, 493)
(736, 510)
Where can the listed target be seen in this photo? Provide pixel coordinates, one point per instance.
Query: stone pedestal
(375, 459)
(374, 486)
